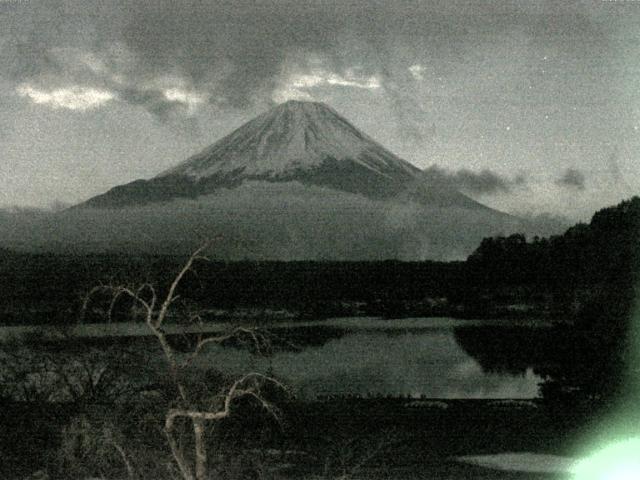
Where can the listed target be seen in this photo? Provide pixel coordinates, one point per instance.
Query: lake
(372, 357)
(414, 357)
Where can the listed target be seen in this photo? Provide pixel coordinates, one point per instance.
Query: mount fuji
(305, 142)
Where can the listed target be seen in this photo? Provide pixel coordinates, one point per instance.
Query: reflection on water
(380, 361)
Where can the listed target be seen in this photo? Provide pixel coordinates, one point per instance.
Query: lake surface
(416, 357)
(412, 357)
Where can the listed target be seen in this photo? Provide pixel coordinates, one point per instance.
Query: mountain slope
(306, 142)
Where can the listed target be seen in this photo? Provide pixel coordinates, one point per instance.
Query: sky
(531, 106)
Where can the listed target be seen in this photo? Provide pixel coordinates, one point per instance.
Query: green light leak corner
(619, 459)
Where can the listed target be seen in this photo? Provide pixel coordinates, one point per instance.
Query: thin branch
(218, 339)
(154, 296)
(117, 292)
(125, 458)
(176, 281)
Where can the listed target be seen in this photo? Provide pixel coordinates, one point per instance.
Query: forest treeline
(510, 276)
(604, 250)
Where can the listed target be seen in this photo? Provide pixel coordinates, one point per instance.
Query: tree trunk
(176, 451)
(201, 449)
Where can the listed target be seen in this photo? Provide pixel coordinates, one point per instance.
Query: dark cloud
(156, 103)
(232, 51)
(235, 51)
(484, 182)
(572, 178)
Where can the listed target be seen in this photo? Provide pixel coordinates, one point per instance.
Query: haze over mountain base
(263, 220)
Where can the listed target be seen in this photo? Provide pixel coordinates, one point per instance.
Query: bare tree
(155, 311)
(32, 371)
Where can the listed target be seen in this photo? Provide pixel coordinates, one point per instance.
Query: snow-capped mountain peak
(304, 142)
(292, 138)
